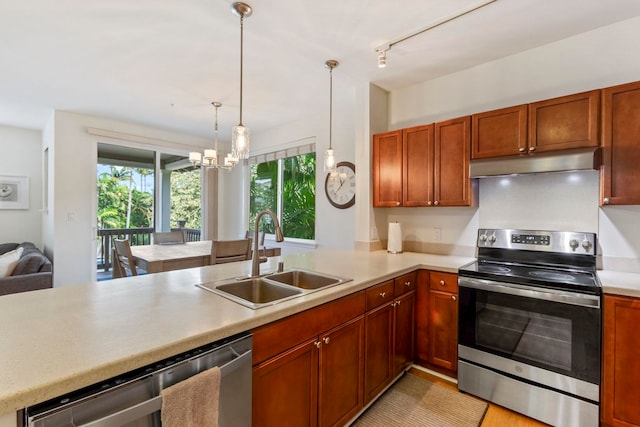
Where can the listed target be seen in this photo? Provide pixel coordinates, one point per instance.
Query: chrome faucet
(255, 267)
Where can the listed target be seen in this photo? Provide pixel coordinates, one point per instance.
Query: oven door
(555, 330)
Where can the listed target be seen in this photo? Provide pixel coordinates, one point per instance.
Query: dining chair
(166, 237)
(230, 250)
(124, 258)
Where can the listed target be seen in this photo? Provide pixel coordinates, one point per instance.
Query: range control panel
(532, 240)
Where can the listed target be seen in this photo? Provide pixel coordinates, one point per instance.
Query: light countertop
(618, 283)
(58, 340)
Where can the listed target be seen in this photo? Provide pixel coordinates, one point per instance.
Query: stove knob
(483, 237)
(586, 245)
(492, 238)
(574, 244)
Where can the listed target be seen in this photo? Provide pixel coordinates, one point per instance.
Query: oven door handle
(575, 298)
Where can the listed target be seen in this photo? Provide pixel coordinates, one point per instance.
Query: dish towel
(192, 402)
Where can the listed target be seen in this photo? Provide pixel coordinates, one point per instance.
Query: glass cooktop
(534, 275)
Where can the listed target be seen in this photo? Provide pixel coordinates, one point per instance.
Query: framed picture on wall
(14, 192)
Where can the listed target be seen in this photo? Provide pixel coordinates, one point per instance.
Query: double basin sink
(257, 292)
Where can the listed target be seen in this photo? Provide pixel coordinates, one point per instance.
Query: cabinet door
(378, 350)
(340, 395)
(422, 316)
(417, 171)
(500, 132)
(443, 329)
(285, 388)
(620, 175)
(387, 169)
(403, 332)
(567, 122)
(452, 186)
(621, 370)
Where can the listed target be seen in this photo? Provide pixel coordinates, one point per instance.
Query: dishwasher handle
(154, 404)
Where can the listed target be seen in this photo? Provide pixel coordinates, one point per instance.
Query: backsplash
(565, 201)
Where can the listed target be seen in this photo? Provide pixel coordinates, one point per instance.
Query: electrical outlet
(374, 233)
(437, 234)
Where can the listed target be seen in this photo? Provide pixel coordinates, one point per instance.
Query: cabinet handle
(429, 203)
(407, 284)
(606, 201)
(453, 297)
(442, 283)
(436, 203)
(397, 203)
(521, 149)
(393, 304)
(532, 148)
(383, 294)
(326, 340)
(398, 302)
(318, 344)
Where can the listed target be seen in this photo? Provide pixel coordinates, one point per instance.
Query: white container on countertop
(394, 243)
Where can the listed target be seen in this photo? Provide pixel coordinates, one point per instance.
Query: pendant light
(329, 157)
(240, 136)
(210, 157)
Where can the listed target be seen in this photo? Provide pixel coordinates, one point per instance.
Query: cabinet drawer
(379, 294)
(445, 282)
(276, 337)
(404, 284)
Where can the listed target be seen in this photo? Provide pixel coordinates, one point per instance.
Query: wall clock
(341, 187)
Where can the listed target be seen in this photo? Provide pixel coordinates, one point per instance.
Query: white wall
(71, 231)
(334, 227)
(600, 58)
(22, 156)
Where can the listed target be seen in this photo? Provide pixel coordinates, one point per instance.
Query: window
(287, 186)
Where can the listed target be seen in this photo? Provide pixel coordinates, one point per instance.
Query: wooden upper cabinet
(620, 174)
(567, 122)
(499, 133)
(387, 169)
(417, 171)
(423, 165)
(452, 186)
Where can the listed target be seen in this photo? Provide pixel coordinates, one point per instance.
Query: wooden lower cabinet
(436, 306)
(285, 388)
(320, 367)
(620, 368)
(378, 353)
(315, 383)
(389, 334)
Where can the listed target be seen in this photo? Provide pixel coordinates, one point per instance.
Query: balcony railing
(136, 236)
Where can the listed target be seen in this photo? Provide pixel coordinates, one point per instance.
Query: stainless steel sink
(304, 279)
(268, 290)
(253, 292)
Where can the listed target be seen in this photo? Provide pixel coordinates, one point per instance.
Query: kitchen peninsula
(62, 339)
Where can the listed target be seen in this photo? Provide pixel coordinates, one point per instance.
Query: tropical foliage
(120, 204)
(185, 197)
(298, 194)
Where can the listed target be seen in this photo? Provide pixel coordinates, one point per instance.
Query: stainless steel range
(530, 324)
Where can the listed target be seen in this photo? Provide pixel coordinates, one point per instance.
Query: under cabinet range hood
(559, 161)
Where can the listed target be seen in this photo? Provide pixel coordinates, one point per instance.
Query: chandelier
(210, 157)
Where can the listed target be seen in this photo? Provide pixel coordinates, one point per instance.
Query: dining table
(172, 256)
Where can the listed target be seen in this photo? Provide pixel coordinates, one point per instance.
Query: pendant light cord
(330, 107)
(241, 62)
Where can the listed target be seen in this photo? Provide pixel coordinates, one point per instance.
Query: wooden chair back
(164, 237)
(230, 250)
(123, 257)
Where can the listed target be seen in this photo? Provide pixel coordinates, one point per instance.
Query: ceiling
(162, 62)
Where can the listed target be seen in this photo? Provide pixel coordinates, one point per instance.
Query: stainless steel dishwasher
(133, 399)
